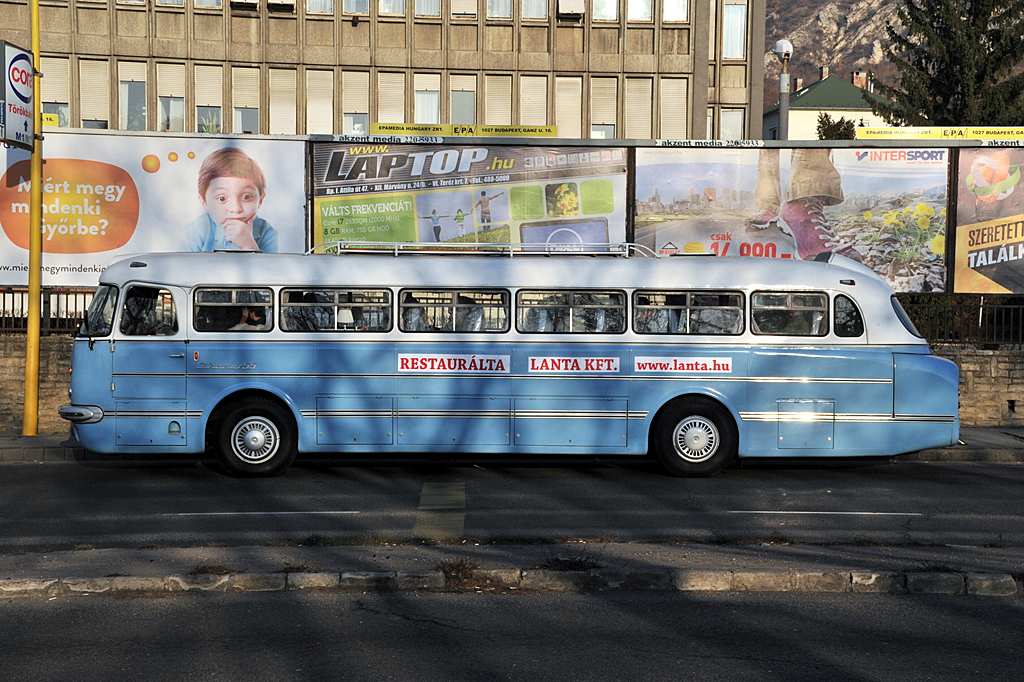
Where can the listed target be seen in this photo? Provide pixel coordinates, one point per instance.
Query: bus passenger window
(790, 314)
(305, 311)
(680, 312)
(149, 311)
(221, 310)
(846, 318)
(576, 312)
(542, 312)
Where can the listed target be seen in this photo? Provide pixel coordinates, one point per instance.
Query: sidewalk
(562, 568)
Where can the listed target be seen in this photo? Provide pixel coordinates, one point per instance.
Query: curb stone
(535, 581)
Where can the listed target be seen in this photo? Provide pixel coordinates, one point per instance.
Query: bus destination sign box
(17, 117)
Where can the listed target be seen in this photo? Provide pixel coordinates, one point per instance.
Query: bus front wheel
(695, 437)
(256, 438)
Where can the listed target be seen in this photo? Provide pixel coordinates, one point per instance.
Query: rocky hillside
(844, 35)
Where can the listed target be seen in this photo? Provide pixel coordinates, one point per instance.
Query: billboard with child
(106, 195)
(562, 196)
(885, 208)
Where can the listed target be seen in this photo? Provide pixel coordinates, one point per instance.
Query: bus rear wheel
(256, 437)
(695, 437)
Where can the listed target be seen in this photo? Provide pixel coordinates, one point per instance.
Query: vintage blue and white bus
(695, 360)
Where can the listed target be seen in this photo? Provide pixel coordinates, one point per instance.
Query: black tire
(694, 437)
(256, 437)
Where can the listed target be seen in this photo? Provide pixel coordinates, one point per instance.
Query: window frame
(236, 305)
(686, 308)
(792, 306)
(523, 309)
(449, 312)
(387, 306)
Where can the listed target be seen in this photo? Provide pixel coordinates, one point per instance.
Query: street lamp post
(783, 49)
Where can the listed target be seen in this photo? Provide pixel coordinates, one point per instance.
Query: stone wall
(54, 360)
(991, 384)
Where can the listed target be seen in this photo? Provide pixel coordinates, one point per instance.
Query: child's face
(230, 198)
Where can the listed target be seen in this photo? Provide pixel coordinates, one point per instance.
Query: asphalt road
(443, 637)
(64, 505)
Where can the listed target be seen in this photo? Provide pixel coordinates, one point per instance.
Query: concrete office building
(595, 68)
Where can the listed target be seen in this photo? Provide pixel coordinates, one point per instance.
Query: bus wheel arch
(694, 435)
(255, 435)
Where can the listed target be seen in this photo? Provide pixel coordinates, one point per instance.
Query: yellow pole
(30, 420)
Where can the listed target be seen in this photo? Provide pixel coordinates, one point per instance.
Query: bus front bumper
(80, 414)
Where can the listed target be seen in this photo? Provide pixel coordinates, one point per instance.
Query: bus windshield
(100, 317)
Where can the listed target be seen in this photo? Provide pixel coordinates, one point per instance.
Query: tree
(956, 64)
(842, 129)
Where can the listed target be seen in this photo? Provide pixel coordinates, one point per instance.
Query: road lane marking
(260, 513)
(441, 513)
(823, 513)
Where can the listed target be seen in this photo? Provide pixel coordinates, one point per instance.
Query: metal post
(784, 100)
(30, 411)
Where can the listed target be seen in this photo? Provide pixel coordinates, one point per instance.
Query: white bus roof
(463, 270)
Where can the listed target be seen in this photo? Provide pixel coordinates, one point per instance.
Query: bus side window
(790, 314)
(847, 320)
(218, 310)
(149, 311)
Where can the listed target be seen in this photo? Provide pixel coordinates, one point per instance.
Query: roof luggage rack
(622, 250)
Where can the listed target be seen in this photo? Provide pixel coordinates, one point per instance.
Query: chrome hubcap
(255, 440)
(695, 439)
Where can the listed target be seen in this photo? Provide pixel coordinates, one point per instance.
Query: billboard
(107, 195)
(883, 207)
(560, 196)
(989, 255)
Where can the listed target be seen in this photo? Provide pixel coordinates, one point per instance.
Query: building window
(639, 101)
(356, 6)
(463, 100)
(535, 9)
(319, 102)
(245, 98)
(208, 120)
(673, 109)
(355, 102)
(391, 97)
(731, 122)
(207, 3)
(499, 9)
(463, 8)
(606, 10)
(391, 7)
(498, 105)
(603, 104)
(569, 106)
(131, 95)
(639, 10)
(428, 98)
(283, 92)
(533, 100)
(170, 90)
(175, 3)
(676, 10)
(734, 31)
(172, 114)
(428, 8)
(209, 84)
(320, 6)
(55, 90)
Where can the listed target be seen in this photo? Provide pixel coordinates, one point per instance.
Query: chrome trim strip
(844, 418)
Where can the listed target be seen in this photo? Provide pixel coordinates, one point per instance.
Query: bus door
(148, 377)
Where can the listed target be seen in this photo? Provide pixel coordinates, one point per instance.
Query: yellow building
(594, 68)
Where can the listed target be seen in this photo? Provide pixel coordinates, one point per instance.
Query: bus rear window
(99, 319)
(360, 310)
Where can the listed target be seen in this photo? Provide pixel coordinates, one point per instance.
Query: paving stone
(28, 588)
(412, 582)
(821, 582)
(935, 583)
(258, 582)
(200, 583)
(877, 582)
(762, 581)
(368, 581)
(703, 581)
(313, 581)
(991, 584)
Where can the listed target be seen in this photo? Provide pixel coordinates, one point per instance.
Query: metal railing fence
(958, 320)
